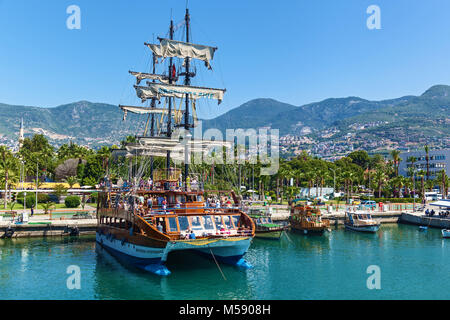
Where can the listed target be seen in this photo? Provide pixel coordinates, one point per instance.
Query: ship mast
(187, 82)
(165, 86)
(169, 116)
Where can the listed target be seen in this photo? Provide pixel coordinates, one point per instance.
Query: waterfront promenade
(59, 223)
(62, 223)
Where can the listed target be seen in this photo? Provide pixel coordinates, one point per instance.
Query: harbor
(223, 166)
(332, 266)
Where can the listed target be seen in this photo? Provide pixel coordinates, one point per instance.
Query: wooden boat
(446, 233)
(144, 235)
(307, 220)
(265, 227)
(361, 221)
(145, 231)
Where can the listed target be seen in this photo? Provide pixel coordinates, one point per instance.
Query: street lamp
(37, 174)
(414, 190)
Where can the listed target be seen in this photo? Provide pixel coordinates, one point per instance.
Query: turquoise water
(413, 265)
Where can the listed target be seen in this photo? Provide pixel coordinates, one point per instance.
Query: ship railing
(206, 210)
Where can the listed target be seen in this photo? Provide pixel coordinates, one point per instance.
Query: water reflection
(192, 277)
(414, 265)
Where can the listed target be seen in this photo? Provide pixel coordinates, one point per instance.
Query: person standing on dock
(32, 211)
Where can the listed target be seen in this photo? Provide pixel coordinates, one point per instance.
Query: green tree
(427, 159)
(361, 158)
(395, 154)
(71, 181)
(9, 166)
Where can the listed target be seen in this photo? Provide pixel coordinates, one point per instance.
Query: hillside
(412, 119)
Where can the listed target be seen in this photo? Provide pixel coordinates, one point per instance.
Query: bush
(43, 198)
(30, 200)
(93, 198)
(72, 201)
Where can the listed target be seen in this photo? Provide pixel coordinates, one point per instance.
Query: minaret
(21, 135)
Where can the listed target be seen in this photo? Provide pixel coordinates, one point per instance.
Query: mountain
(410, 117)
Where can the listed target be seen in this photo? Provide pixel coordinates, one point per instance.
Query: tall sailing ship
(143, 223)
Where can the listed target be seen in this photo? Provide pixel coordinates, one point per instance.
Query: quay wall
(55, 229)
(422, 220)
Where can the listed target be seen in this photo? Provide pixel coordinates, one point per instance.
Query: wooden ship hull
(306, 220)
(136, 239)
(269, 234)
(309, 230)
(151, 257)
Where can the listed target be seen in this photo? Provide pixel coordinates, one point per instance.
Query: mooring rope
(217, 264)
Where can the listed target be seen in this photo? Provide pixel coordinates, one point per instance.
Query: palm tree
(395, 154)
(71, 181)
(8, 165)
(442, 180)
(380, 178)
(427, 159)
(422, 174)
(47, 207)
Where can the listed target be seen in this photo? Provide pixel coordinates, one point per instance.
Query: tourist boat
(265, 227)
(446, 233)
(307, 220)
(361, 221)
(144, 223)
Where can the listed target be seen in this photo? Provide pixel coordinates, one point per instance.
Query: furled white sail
(141, 110)
(179, 49)
(151, 142)
(158, 90)
(142, 75)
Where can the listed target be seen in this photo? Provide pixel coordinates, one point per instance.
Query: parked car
(368, 204)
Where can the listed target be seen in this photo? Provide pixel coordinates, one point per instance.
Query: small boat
(361, 221)
(308, 220)
(264, 226)
(446, 233)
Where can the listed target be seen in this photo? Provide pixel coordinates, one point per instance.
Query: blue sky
(294, 51)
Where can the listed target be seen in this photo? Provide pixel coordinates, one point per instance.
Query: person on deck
(192, 235)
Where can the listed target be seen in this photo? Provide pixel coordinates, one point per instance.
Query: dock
(46, 228)
(58, 223)
(420, 219)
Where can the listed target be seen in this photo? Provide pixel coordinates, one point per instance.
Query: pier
(59, 223)
(420, 219)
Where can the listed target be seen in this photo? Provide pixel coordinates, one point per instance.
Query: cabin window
(218, 222)
(208, 223)
(184, 223)
(236, 220)
(227, 221)
(173, 224)
(196, 223)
